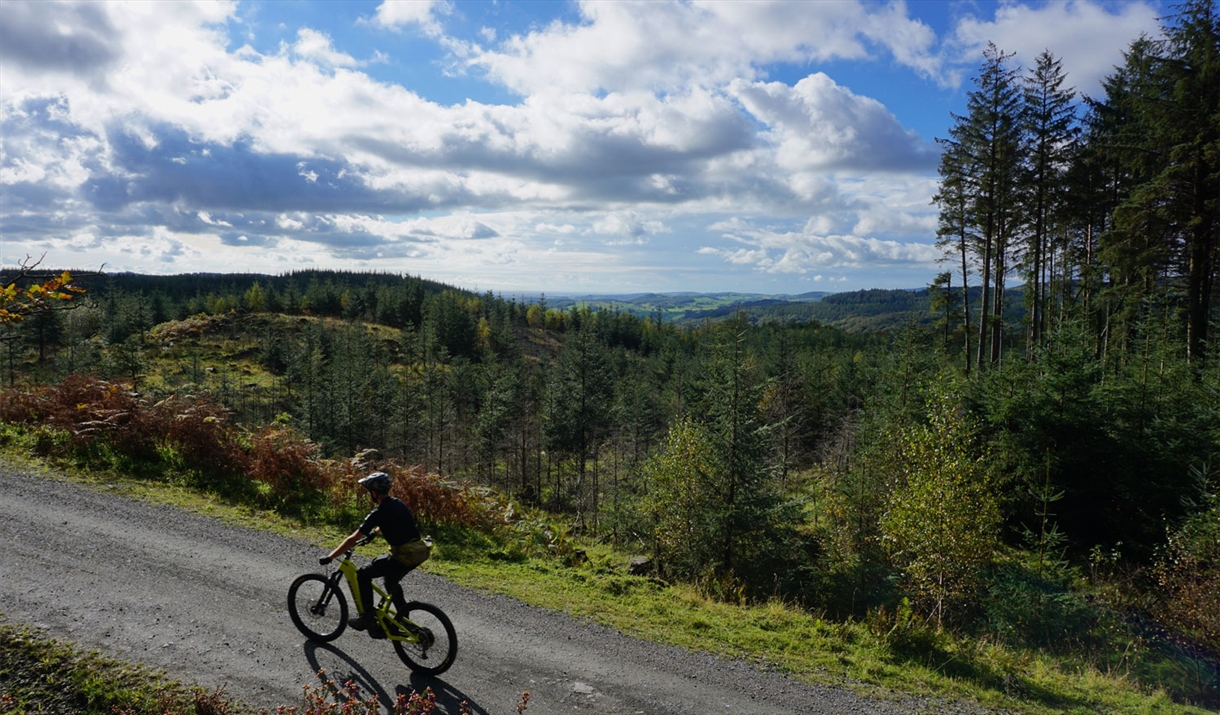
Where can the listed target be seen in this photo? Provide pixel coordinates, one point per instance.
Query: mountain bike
(422, 636)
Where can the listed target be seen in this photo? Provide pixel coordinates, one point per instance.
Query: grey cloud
(481, 230)
(245, 238)
(25, 197)
(78, 38)
(379, 252)
(599, 163)
(37, 130)
(179, 169)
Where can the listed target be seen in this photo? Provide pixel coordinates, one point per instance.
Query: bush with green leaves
(942, 519)
(1188, 572)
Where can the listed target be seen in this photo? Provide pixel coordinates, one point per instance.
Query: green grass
(876, 659)
(819, 651)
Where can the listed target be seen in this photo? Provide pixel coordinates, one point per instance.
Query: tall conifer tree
(1049, 118)
(987, 147)
(955, 232)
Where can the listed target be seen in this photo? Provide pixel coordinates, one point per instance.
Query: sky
(511, 146)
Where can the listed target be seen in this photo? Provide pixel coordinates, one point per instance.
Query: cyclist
(407, 550)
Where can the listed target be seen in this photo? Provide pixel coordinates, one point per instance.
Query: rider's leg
(393, 574)
(395, 590)
(382, 566)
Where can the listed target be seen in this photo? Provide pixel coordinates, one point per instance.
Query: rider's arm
(348, 543)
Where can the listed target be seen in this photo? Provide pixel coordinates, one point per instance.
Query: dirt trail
(206, 602)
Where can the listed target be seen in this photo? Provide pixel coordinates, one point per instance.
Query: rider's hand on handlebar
(324, 560)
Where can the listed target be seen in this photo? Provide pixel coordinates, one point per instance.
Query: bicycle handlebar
(326, 559)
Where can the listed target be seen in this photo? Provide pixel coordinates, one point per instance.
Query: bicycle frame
(384, 610)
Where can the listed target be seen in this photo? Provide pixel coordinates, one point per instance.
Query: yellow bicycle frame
(384, 611)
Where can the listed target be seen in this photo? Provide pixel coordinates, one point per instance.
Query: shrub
(95, 412)
(942, 517)
(441, 501)
(1026, 608)
(1188, 575)
(99, 421)
(288, 464)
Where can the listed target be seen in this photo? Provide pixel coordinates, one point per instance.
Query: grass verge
(39, 674)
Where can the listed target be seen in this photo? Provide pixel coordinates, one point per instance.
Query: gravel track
(205, 601)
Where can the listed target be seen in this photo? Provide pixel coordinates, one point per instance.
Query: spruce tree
(955, 232)
(1186, 112)
(985, 157)
(1049, 119)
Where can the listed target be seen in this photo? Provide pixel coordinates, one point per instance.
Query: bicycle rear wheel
(317, 607)
(437, 646)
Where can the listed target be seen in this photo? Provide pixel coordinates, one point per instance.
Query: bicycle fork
(327, 595)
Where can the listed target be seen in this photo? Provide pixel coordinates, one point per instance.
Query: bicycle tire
(318, 607)
(429, 658)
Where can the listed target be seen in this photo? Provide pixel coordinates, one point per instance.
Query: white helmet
(377, 482)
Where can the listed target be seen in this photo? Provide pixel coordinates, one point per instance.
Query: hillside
(866, 477)
(863, 311)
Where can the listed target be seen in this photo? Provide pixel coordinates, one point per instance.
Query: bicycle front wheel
(437, 641)
(317, 607)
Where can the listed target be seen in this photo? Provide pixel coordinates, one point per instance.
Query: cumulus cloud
(627, 228)
(818, 125)
(1079, 32)
(77, 38)
(623, 46)
(398, 14)
(314, 45)
(300, 127)
(122, 123)
(803, 252)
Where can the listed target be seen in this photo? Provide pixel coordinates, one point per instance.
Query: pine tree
(1049, 118)
(944, 305)
(983, 163)
(581, 388)
(955, 232)
(1117, 264)
(740, 443)
(1187, 114)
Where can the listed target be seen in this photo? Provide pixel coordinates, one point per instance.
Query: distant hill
(862, 311)
(676, 307)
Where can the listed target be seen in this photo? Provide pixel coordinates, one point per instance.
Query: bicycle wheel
(437, 646)
(317, 607)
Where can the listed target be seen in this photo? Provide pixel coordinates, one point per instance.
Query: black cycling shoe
(361, 623)
(376, 633)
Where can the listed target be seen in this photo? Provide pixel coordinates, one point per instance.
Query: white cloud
(627, 227)
(206, 217)
(314, 45)
(344, 131)
(818, 125)
(620, 46)
(402, 13)
(804, 252)
(1081, 33)
(635, 123)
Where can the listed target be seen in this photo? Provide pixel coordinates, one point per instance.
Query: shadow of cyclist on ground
(448, 698)
(338, 668)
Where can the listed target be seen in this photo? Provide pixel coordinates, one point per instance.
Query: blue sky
(595, 147)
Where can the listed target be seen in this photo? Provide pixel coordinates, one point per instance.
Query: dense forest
(1013, 461)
